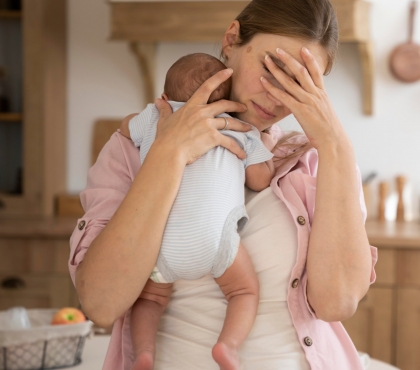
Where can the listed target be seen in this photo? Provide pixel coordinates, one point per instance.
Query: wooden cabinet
(371, 327)
(33, 263)
(144, 23)
(408, 328)
(32, 151)
(387, 322)
(36, 291)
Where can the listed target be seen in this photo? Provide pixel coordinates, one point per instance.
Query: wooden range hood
(145, 23)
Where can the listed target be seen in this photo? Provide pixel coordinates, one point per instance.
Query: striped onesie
(201, 234)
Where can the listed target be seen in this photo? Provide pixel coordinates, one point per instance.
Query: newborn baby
(201, 234)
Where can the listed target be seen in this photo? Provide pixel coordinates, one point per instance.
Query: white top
(190, 327)
(95, 349)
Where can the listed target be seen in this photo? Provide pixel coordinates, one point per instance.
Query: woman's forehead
(262, 43)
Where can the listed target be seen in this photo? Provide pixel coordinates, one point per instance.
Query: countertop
(391, 234)
(387, 234)
(47, 227)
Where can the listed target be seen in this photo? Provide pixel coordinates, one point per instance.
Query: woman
(314, 264)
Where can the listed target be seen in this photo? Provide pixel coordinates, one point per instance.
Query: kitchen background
(104, 81)
(71, 75)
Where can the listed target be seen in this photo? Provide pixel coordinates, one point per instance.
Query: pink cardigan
(326, 345)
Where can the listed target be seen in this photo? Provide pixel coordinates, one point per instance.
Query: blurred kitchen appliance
(405, 58)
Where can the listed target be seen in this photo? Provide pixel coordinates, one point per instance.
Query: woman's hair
(310, 20)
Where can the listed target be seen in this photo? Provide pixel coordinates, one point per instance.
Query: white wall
(104, 82)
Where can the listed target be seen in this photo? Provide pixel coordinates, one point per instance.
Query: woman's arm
(339, 261)
(120, 259)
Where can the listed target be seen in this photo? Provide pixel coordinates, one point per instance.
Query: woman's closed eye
(268, 71)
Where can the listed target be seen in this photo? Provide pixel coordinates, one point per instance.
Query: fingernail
(306, 51)
(229, 71)
(267, 58)
(263, 79)
(280, 51)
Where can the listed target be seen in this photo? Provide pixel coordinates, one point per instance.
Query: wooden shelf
(145, 23)
(43, 29)
(11, 117)
(10, 14)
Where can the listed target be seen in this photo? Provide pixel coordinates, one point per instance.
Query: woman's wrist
(336, 148)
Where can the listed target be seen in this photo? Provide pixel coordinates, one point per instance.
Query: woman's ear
(230, 38)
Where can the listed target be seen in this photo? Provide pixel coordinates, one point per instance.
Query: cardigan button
(308, 341)
(295, 283)
(81, 225)
(301, 220)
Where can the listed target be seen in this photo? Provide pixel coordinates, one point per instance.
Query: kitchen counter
(30, 227)
(395, 235)
(385, 234)
(95, 350)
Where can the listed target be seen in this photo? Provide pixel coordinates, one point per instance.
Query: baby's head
(188, 73)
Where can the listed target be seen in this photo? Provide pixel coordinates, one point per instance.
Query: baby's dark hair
(188, 73)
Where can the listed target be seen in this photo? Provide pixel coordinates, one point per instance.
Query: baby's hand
(124, 125)
(268, 140)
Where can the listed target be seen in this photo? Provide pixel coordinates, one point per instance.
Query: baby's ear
(165, 97)
(124, 125)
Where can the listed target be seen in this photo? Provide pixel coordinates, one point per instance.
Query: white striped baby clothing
(201, 234)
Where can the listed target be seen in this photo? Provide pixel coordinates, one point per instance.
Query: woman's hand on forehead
(306, 98)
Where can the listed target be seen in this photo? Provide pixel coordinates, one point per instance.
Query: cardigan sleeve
(303, 176)
(109, 180)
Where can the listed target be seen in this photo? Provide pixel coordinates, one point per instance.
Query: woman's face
(248, 66)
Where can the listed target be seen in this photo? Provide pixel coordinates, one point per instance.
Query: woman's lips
(262, 112)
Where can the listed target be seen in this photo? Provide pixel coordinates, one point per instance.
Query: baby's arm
(258, 176)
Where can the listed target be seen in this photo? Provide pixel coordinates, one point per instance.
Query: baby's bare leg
(145, 316)
(240, 286)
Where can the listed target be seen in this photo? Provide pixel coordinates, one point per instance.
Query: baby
(201, 234)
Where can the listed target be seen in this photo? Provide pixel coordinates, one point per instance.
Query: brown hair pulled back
(310, 20)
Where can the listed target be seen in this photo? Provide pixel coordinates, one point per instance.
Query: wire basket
(43, 346)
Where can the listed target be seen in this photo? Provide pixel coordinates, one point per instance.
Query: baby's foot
(226, 357)
(144, 361)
